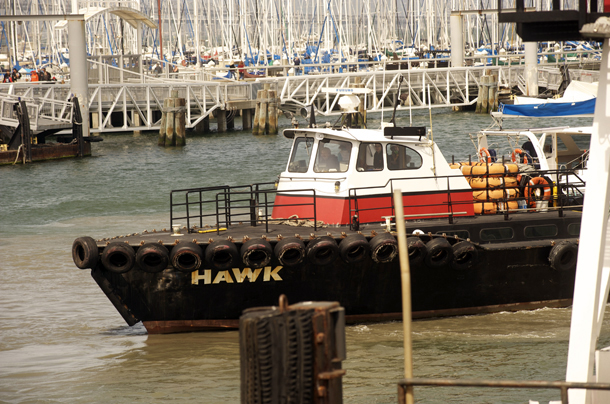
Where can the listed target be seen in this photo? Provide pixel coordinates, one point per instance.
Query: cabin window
(402, 157)
(455, 233)
(547, 230)
(574, 229)
(370, 157)
(301, 155)
(501, 233)
(333, 156)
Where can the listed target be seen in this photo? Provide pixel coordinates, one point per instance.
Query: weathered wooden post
(256, 124)
(246, 118)
(170, 135)
(272, 113)
(221, 119)
(262, 116)
(180, 123)
(493, 93)
(162, 128)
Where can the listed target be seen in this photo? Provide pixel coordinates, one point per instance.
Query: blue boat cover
(586, 107)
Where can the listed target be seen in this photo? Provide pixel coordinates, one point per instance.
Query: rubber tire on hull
(354, 248)
(417, 250)
(290, 251)
(465, 255)
(186, 257)
(563, 256)
(85, 252)
(322, 250)
(256, 253)
(384, 248)
(222, 254)
(118, 257)
(439, 254)
(152, 257)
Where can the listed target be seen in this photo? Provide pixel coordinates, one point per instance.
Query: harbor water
(61, 340)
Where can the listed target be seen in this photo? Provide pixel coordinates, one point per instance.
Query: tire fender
(417, 250)
(290, 251)
(256, 253)
(118, 257)
(439, 253)
(384, 248)
(85, 253)
(322, 250)
(222, 254)
(354, 248)
(186, 257)
(563, 256)
(465, 255)
(152, 257)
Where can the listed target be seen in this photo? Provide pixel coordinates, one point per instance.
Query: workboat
(494, 233)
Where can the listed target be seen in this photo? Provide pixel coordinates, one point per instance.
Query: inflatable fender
(439, 254)
(290, 251)
(85, 253)
(152, 257)
(186, 257)
(354, 248)
(563, 256)
(256, 253)
(222, 254)
(118, 257)
(384, 248)
(417, 250)
(322, 250)
(465, 255)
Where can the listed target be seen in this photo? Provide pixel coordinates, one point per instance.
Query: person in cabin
(15, 75)
(344, 153)
(326, 161)
(393, 158)
(378, 158)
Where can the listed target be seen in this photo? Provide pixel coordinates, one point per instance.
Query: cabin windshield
(333, 156)
(301, 155)
(370, 157)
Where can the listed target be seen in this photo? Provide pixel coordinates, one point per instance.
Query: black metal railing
(565, 188)
(220, 207)
(563, 387)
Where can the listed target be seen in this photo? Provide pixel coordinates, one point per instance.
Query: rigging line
(281, 30)
(178, 31)
(233, 32)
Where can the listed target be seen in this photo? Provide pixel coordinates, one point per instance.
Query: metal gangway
(45, 111)
(123, 97)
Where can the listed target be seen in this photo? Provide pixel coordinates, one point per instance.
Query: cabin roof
(360, 135)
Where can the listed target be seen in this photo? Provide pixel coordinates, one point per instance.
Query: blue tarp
(550, 109)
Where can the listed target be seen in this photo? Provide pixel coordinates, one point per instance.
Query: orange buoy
(481, 153)
(538, 189)
(514, 156)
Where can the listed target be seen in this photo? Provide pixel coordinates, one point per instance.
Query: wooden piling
(231, 119)
(162, 128)
(221, 120)
(263, 112)
(180, 122)
(272, 113)
(256, 124)
(246, 119)
(493, 93)
(170, 135)
(480, 95)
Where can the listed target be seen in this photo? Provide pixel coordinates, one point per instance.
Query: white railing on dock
(45, 109)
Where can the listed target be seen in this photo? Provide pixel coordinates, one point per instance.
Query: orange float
(514, 156)
(485, 208)
(538, 189)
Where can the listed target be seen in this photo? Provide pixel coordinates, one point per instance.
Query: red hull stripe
(370, 209)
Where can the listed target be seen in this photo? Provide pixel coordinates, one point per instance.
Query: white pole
(457, 42)
(79, 85)
(531, 69)
(592, 273)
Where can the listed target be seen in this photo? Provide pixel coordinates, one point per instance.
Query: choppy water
(62, 341)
